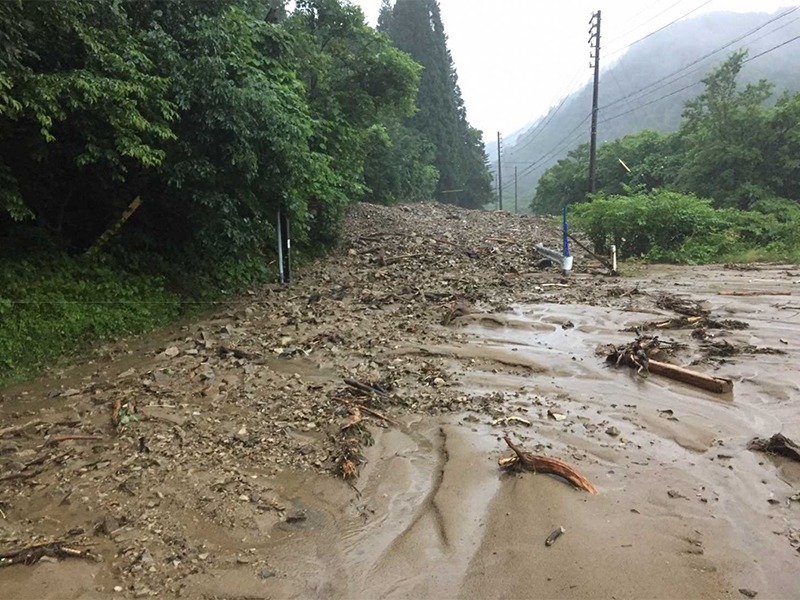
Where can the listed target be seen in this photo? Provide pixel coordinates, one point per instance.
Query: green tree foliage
(217, 114)
(641, 161)
(672, 227)
(415, 26)
(732, 147)
(659, 107)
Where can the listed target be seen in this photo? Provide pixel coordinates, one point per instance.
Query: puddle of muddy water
(683, 507)
(682, 510)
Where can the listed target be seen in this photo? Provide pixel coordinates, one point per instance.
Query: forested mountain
(415, 26)
(645, 63)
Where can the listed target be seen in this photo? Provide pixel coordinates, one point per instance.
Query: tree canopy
(415, 26)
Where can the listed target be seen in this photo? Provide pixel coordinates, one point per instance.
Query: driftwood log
(639, 356)
(544, 464)
(718, 385)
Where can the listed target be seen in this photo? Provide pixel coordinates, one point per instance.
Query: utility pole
(516, 209)
(499, 172)
(594, 36)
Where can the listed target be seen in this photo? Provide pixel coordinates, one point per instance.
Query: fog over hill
(702, 42)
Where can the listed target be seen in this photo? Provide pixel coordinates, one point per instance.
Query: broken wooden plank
(754, 293)
(639, 356)
(718, 385)
(544, 464)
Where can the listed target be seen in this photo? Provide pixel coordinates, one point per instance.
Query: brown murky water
(683, 508)
(437, 519)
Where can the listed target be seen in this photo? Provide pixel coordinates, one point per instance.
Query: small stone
(117, 588)
(748, 593)
(266, 573)
(70, 392)
(612, 431)
(438, 382)
(203, 556)
(244, 498)
(242, 432)
(172, 351)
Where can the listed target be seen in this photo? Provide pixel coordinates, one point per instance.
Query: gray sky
(515, 57)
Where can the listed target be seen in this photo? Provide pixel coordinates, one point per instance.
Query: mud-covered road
(209, 473)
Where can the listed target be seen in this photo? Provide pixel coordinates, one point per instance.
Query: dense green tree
(415, 26)
(732, 147)
(725, 137)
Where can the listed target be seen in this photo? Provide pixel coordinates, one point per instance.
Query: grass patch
(56, 305)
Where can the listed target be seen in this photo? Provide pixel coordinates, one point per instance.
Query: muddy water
(683, 507)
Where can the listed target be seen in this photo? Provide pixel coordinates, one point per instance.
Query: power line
(568, 138)
(640, 13)
(771, 49)
(686, 87)
(619, 37)
(694, 10)
(702, 58)
(542, 125)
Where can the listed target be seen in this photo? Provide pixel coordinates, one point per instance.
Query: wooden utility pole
(499, 172)
(516, 208)
(594, 39)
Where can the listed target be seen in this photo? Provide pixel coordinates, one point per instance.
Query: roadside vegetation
(724, 187)
(215, 114)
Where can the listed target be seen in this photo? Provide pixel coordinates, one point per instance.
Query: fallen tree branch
(386, 262)
(364, 388)
(718, 385)
(21, 475)
(33, 554)
(638, 356)
(754, 293)
(375, 413)
(602, 261)
(544, 464)
(366, 409)
(19, 428)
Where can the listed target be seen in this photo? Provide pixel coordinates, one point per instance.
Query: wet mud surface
(235, 493)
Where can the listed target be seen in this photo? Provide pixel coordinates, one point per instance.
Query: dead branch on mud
(30, 555)
(365, 389)
(544, 464)
(19, 428)
(638, 355)
(755, 293)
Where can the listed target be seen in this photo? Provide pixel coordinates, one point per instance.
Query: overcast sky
(515, 57)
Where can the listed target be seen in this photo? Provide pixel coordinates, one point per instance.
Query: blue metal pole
(566, 239)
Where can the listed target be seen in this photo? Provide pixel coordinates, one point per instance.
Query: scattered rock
(612, 431)
(748, 593)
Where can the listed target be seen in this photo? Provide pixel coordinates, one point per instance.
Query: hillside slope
(644, 64)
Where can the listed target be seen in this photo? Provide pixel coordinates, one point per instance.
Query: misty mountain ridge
(645, 63)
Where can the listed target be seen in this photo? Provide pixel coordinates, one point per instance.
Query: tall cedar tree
(415, 26)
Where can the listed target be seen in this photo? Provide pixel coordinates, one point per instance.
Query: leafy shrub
(667, 226)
